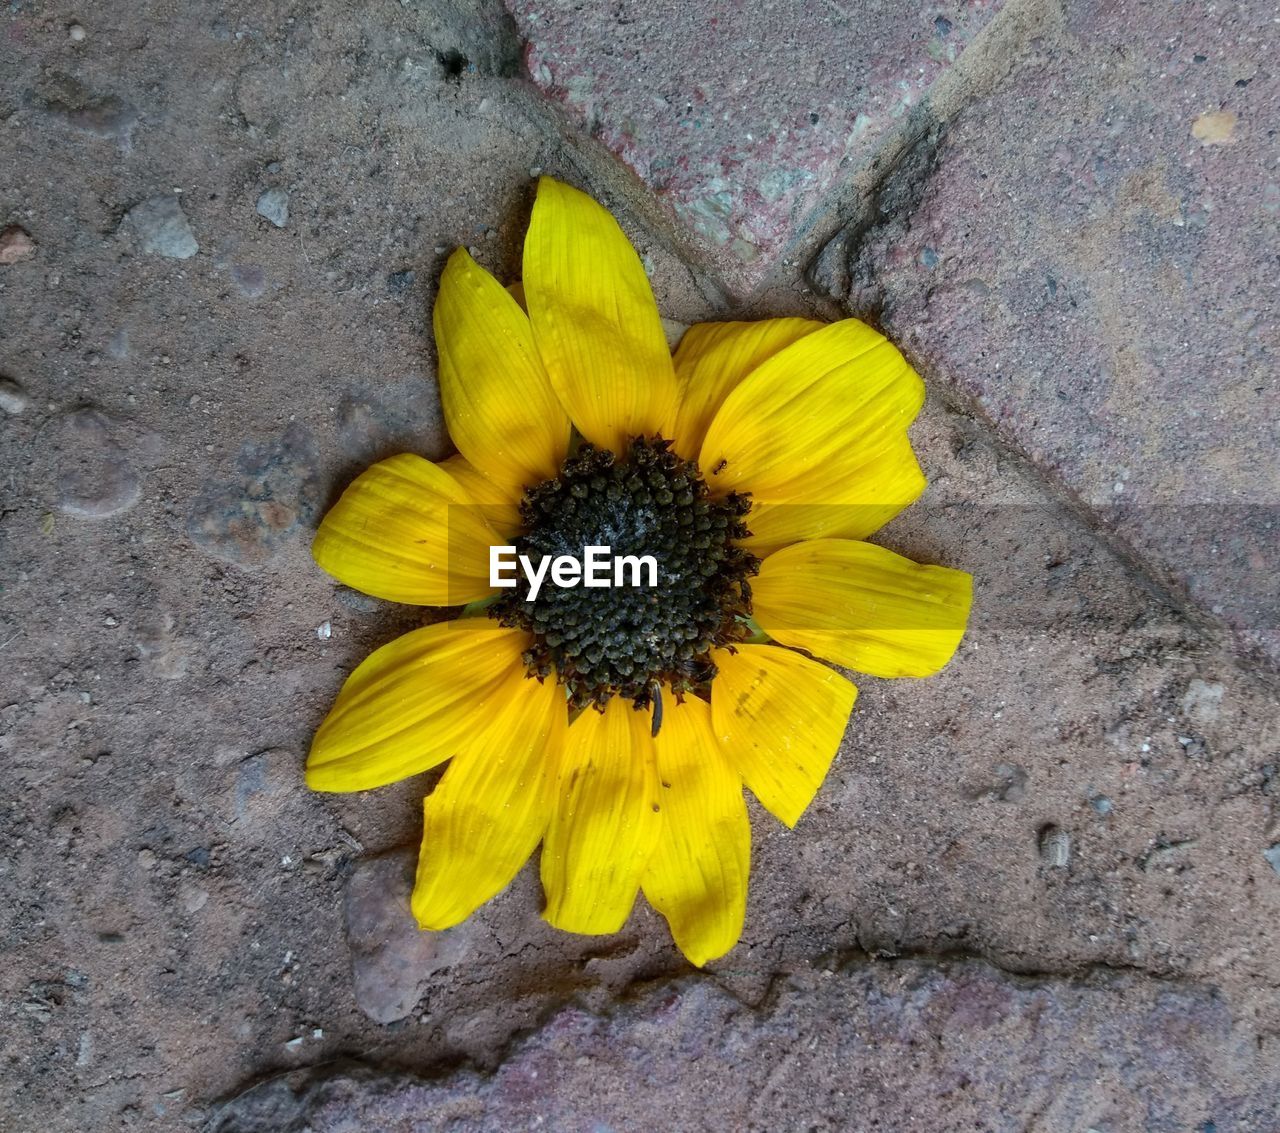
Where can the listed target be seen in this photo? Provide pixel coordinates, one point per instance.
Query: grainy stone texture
(172, 896)
(741, 116)
(929, 1047)
(1102, 281)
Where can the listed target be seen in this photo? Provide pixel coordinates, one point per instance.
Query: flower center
(626, 640)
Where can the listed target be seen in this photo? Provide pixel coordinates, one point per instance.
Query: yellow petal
(499, 504)
(851, 497)
(595, 320)
(412, 703)
(406, 530)
(491, 808)
(863, 607)
(713, 358)
(605, 821)
(826, 403)
(697, 875)
(780, 718)
(498, 402)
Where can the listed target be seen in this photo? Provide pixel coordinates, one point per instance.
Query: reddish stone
(740, 117)
(16, 245)
(904, 1045)
(1090, 255)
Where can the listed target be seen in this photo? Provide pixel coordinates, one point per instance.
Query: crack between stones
(843, 962)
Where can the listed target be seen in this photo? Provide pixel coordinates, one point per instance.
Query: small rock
(1102, 806)
(1273, 857)
(95, 479)
(13, 398)
(274, 205)
(1055, 847)
(76, 33)
(194, 898)
(398, 282)
(1215, 128)
(16, 245)
(248, 520)
(392, 960)
(163, 229)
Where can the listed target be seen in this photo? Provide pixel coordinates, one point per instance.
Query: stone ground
(1038, 891)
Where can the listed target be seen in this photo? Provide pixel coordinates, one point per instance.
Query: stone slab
(903, 1045)
(1101, 280)
(741, 116)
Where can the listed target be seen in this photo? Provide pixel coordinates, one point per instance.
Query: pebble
(398, 282)
(163, 228)
(16, 245)
(1273, 857)
(13, 398)
(249, 519)
(1055, 847)
(274, 205)
(194, 898)
(95, 479)
(392, 960)
(76, 33)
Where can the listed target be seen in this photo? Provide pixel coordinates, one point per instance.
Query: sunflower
(618, 726)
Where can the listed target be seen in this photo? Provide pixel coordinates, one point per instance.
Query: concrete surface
(1100, 283)
(741, 117)
(1076, 823)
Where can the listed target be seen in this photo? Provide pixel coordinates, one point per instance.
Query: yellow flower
(751, 464)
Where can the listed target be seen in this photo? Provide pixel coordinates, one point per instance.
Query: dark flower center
(622, 639)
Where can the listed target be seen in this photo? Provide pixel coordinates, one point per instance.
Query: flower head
(618, 725)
